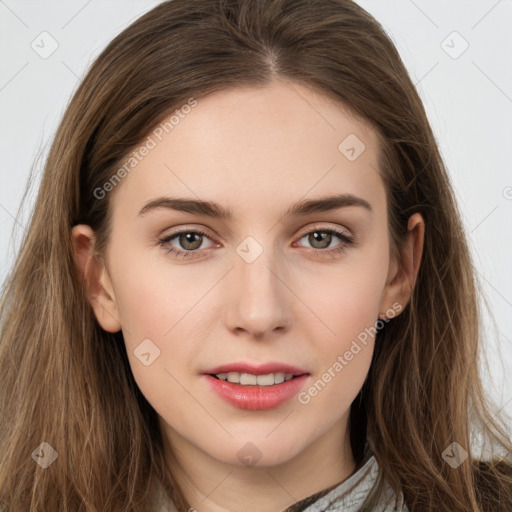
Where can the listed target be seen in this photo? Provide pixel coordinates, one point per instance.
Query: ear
(95, 276)
(402, 273)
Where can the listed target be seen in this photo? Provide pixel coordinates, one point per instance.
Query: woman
(316, 350)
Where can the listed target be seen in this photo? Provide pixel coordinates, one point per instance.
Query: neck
(210, 485)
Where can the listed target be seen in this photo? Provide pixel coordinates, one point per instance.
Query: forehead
(256, 147)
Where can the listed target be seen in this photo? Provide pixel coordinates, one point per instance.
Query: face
(265, 291)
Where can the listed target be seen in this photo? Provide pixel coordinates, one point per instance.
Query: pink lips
(263, 369)
(256, 397)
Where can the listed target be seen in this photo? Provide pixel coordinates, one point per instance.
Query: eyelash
(169, 249)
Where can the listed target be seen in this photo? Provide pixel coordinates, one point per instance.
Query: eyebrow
(216, 210)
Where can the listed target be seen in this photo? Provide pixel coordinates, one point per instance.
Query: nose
(259, 295)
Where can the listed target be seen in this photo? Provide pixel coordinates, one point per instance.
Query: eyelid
(186, 229)
(304, 231)
(317, 226)
(346, 237)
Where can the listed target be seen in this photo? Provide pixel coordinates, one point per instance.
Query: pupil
(189, 239)
(321, 237)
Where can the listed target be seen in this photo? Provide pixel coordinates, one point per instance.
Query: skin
(257, 151)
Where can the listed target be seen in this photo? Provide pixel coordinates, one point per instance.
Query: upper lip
(263, 369)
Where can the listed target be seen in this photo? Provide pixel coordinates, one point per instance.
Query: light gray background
(467, 95)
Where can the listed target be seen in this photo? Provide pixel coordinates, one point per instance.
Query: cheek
(159, 315)
(346, 299)
(355, 306)
(344, 352)
(347, 351)
(154, 297)
(348, 307)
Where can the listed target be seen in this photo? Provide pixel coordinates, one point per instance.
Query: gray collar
(350, 494)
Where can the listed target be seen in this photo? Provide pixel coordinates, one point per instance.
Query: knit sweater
(347, 496)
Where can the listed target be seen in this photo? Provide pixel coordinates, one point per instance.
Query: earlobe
(402, 274)
(95, 277)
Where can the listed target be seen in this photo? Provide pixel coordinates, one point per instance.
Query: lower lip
(256, 398)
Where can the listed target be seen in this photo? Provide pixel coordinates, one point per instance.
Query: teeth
(247, 379)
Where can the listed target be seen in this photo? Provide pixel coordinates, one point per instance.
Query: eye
(321, 238)
(189, 239)
(192, 239)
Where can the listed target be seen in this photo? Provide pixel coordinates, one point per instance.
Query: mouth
(255, 392)
(256, 387)
(248, 379)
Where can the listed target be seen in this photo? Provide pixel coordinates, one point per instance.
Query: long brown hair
(67, 382)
